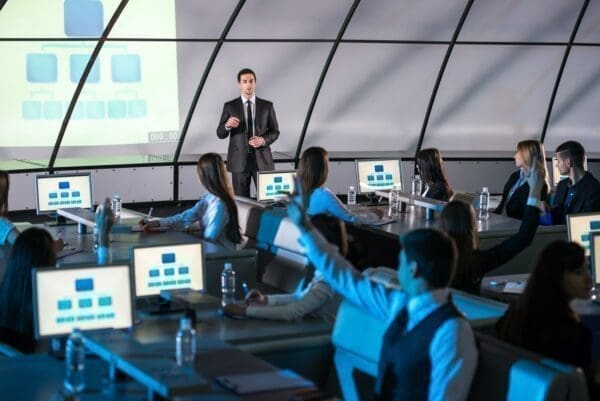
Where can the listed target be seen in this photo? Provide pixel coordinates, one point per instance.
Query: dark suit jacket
(515, 206)
(265, 126)
(586, 199)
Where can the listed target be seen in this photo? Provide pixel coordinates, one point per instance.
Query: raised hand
(297, 203)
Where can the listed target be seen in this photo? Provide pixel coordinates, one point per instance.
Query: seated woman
(216, 211)
(317, 299)
(312, 171)
(431, 168)
(458, 220)
(33, 248)
(8, 232)
(516, 189)
(541, 319)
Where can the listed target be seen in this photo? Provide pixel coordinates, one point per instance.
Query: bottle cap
(228, 266)
(185, 323)
(351, 187)
(485, 189)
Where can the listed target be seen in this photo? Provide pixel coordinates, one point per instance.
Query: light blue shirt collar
(421, 306)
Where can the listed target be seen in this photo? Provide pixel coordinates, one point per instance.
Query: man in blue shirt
(428, 351)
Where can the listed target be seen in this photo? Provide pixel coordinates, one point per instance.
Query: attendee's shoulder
(593, 182)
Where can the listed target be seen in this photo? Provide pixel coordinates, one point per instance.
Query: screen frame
(49, 176)
(575, 215)
(264, 173)
(357, 174)
(36, 270)
(132, 265)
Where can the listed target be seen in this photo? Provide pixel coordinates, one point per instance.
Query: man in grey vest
(251, 125)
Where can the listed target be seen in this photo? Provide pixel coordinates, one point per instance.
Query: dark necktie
(249, 122)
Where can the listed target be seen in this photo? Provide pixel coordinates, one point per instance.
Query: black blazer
(515, 206)
(470, 272)
(265, 125)
(586, 200)
(439, 191)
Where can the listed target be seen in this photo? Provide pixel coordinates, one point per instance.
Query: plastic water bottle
(75, 363)
(351, 195)
(417, 185)
(227, 285)
(185, 343)
(484, 202)
(116, 206)
(394, 204)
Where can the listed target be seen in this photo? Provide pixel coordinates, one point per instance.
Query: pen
(150, 212)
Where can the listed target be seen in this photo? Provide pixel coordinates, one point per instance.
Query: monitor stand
(156, 305)
(60, 221)
(375, 200)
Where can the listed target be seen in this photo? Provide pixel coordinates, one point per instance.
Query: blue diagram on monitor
(380, 178)
(83, 18)
(42, 67)
(586, 236)
(169, 274)
(86, 304)
(64, 195)
(275, 188)
(126, 68)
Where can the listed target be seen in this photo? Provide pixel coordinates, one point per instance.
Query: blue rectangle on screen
(169, 272)
(85, 303)
(42, 67)
(379, 168)
(117, 109)
(53, 110)
(64, 185)
(53, 195)
(64, 194)
(65, 304)
(154, 273)
(595, 225)
(126, 68)
(585, 237)
(184, 270)
(84, 284)
(31, 110)
(83, 18)
(77, 63)
(136, 108)
(168, 258)
(105, 301)
(75, 194)
(277, 180)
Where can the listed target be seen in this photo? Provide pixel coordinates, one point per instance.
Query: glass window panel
(491, 97)
(405, 20)
(138, 105)
(575, 113)
(521, 21)
(286, 74)
(377, 105)
(60, 19)
(198, 19)
(589, 30)
(36, 88)
(284, 19)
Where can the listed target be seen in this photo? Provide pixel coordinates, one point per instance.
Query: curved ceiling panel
(286, 74)
(491, 97)
(589, 31)
(575, 114)
(405, 20)
(290, 19)
(374, 97)
(521, 21)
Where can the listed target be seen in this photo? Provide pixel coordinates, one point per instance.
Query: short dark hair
(435, 254)
(244, 71)
(574, 151)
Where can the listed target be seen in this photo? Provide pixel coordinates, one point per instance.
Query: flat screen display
(273, 185)
(580, 227)
(377, 175)
(63, 191)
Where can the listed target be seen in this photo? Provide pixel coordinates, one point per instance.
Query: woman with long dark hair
(33, 248)
(216, 211)
(458, 220)
(514, 195)
(431, 168)
(312, 171)
(8, 232)
(541, 319)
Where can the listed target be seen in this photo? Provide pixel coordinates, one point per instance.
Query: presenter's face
(247, 85)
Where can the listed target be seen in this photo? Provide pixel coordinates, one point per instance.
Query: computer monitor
(84, 297)
(273, 185)
(376, 175)
(167, 267)
(580, 226)
(557, 177)
(595, 258)
(63, 191)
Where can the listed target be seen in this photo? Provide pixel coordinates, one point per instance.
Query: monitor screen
(63, 191)
(375, 175)
(595, 251)
(167, 267)
(273, 185)
(556, 177)
(579, 227)
(88, 298)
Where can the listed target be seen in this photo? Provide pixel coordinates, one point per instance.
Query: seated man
(428, 351)
(580, 193)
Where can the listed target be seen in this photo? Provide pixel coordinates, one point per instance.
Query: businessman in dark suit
(251, 125)
(580, 193)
